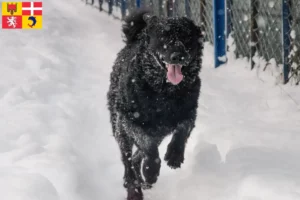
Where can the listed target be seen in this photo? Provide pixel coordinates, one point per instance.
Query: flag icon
(22, 15)
(32, 15)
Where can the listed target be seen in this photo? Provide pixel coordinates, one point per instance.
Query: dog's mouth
(174, 73)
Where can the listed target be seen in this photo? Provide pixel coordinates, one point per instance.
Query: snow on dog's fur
(154, 91)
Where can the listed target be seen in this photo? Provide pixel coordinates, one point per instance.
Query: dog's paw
(174, 156)
(134, 193)
(146, 186)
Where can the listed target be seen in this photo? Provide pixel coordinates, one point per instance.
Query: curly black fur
(144, 107)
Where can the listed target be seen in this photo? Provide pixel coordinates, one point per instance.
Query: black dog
(154, 92)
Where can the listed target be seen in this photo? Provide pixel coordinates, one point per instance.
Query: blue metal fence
(240, 19)
(286, 32)
(219, 32)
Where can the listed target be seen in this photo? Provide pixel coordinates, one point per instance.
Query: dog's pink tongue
(174, 74)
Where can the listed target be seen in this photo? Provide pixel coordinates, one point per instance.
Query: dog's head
(176, 46)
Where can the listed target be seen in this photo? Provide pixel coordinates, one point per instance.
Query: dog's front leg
(175, 151)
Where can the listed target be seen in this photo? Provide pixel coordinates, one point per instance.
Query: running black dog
(154, 90)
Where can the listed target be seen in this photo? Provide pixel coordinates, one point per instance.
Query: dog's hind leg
(134, 191)
(125, 145)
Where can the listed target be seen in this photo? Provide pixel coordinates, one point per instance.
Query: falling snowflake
(271, 4)
(136, 115)
(261, 22)
(293, 34)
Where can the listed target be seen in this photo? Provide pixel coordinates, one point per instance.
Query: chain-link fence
(266, 30)
(201, 11)
(257, 24)
(295, 41)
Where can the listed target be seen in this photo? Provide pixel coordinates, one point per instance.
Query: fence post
(160, 8)
(286, 31)
(170, 8)
(202, 15)
(110, 6)
(229, 16)
(138, 3)
(123, 8)
(187, 8)
(253, 30)
(219, 32)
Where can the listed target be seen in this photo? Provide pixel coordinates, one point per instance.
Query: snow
(222, 58)
(271, 4)
(293, 34)
(261, 22)
(56, 141)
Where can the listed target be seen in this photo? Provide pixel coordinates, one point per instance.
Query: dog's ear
(150, 19)
(198, 31)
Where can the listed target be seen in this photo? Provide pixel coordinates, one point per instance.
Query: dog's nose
(177, 57)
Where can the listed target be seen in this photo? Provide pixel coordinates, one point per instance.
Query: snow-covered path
(55, 139)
